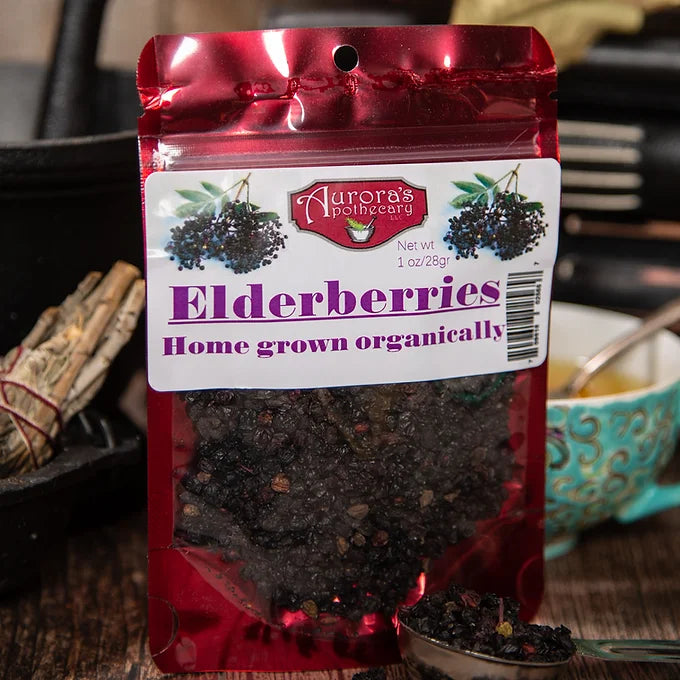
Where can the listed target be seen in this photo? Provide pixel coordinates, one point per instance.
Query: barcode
(523, 293)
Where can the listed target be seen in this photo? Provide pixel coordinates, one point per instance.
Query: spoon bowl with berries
(458, 634)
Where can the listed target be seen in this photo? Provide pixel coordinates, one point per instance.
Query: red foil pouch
(350, 234)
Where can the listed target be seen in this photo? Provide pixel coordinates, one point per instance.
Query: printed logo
(359, 213)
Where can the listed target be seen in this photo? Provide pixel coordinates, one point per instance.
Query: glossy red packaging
(251, 102)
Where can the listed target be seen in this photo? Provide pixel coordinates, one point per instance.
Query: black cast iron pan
(80, 487)
(69, 204)
(69, 198)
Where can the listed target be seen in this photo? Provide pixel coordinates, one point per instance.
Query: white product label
(348, 275)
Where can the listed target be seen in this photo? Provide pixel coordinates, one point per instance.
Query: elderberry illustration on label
(502, 220)
(218, 227)
(308, 277)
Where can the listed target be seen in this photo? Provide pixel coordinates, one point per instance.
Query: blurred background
(619, 124)
(68, 119)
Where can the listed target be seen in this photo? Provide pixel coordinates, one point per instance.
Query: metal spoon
(663, 317)
(427, 658)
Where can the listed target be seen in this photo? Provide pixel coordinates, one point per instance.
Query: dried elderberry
(320, 511)
(488, 624)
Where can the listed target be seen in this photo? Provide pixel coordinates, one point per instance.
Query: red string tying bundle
(20, 419)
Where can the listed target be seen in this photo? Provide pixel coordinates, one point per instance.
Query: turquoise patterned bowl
(604, 454)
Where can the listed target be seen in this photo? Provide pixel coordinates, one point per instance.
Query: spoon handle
(664, 651)
(666, 315)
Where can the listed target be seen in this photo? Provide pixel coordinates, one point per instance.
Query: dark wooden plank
(20, 652)
(87, 618)
(55, 612)
(621, 581)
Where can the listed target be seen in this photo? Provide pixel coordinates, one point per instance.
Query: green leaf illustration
(470, 187)
(213, 189)
(187, 209)
(463, 200)
(355, 224)
(215, 200)
(487, 191)
(266, 216)
(487, 181)
(194, 196)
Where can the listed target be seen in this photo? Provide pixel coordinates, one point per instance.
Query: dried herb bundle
(61, 364)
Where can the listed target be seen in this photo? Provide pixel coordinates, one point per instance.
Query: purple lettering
(196, 347)
(264, 349)
(491, 291)
(174, 345)
(182, 303)
(424, 297)
(307, 301)
(282, 305)
(447, 292)
(398, 295)
(340, 302)
(467, 294)
(374, 301)
(250, 306)
(219, 306)
(298, 346)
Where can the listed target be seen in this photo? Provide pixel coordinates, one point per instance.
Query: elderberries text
(212, 304)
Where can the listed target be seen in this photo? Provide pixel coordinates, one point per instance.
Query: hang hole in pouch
(346, 58)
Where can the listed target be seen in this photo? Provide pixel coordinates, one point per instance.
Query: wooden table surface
(86, 619)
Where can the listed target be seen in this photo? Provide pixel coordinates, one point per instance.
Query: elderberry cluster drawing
(502, 220)
(229, 230)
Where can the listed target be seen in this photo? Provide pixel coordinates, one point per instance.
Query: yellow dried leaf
(504, 629)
